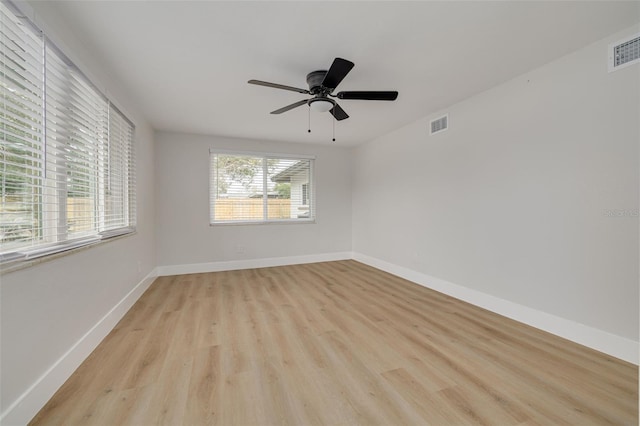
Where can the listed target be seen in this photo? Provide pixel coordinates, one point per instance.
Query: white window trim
(262, 154)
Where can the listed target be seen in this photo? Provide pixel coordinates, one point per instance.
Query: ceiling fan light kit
(321, 86)
(321, 105)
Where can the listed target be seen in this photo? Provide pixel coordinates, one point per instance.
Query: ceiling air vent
(624, 53)
(440, 124)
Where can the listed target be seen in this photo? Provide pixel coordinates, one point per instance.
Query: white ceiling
(187, 63)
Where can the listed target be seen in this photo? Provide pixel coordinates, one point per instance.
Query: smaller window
(260, 188)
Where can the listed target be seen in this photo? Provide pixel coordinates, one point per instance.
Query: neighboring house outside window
(298, 177)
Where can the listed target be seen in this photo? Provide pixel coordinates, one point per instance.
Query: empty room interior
(331, 213)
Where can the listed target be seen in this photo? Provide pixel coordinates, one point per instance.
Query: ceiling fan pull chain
(309, 108)
(334, 127)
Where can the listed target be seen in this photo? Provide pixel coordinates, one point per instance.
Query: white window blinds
(22, 141)
(255, 188)
(118, 174)
(66, 154)
(76, 132)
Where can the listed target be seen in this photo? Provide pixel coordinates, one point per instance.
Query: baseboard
(611, 344)
(197, 268)
(34, 398)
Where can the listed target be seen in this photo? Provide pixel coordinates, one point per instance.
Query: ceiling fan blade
(288, 107)
(338, 71)
(369, 95)
(278, 86)
(338, 113)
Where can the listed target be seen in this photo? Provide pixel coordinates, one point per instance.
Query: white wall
(45, 310)
(512, 200)
(184, 234)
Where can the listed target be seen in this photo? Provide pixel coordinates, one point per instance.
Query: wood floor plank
(335, 343)
(204, 387)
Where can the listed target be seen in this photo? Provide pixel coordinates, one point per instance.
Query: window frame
(264, 156)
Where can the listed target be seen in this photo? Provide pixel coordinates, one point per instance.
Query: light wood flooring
(333, 343)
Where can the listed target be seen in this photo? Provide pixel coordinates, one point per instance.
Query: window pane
(238, 183)
(77, 119)
(290, 175)
(117, 174)
(21, 130)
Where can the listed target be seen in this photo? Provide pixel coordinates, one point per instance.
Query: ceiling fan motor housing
(314, 80)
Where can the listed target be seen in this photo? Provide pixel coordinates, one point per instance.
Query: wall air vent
(439, 124)
(624, 53)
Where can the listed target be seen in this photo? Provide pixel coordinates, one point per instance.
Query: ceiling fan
(321, 86)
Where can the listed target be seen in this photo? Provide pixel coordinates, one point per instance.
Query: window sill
(267, 222)
(19, 264)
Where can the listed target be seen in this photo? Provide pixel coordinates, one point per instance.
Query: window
(260, 188)
(66, 153)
